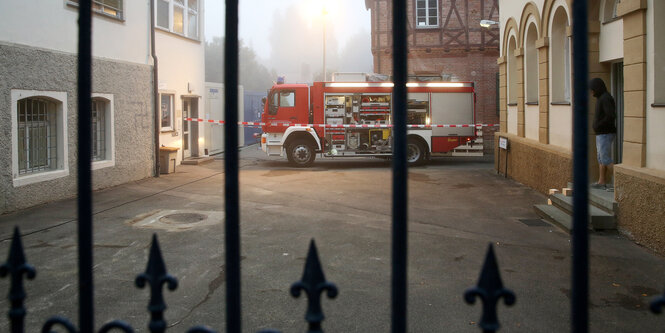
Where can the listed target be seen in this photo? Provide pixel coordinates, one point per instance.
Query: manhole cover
(183, 218)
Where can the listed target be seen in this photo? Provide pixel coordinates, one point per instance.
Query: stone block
(634, 50)
(634, 103)
(634, 77)
(634, 24)
(634, 129)
(567, 191)
(629, 6)
(634, 154)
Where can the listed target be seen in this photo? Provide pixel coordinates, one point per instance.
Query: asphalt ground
(457, 207)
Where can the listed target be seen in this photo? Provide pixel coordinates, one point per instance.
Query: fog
(287, 35)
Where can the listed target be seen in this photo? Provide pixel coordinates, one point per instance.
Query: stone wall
(640, 194)
(28, 68)
(546, 166)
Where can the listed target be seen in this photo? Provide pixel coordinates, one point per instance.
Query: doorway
(190, 129)
(617, 93)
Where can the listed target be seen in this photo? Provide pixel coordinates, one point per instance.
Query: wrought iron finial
(313, 282)
(490, 289)
(657, 304)
(155, 274)
(16, 267)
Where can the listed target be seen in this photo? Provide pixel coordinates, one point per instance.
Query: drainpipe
(155, 84)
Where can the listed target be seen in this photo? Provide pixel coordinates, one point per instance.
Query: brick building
(446, 40)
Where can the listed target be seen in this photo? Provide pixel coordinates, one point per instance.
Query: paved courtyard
(457, 207)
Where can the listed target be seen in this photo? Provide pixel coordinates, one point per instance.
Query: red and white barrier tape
(249, 123)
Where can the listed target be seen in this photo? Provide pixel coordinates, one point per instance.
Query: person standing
(604, 125)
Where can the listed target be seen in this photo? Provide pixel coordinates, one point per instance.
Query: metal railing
(490, 287)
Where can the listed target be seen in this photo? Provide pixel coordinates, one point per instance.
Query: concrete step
(197, 160)
(601, 199)
(555, 216)
(599, 219)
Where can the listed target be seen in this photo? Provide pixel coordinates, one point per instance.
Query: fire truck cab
(351, 119)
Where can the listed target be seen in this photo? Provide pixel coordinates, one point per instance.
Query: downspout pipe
(155, 85)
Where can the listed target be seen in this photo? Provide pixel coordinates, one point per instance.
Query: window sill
(40, 177)
(560, 103)
(531, 103)
(194, 40)
(427, 27)
(102, 14)
(658, 105)
(613, 19)
(512, 104)
(96, 165)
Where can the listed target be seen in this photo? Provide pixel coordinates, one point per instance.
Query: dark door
(617, 93)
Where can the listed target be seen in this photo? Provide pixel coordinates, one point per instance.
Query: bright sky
(347, 17)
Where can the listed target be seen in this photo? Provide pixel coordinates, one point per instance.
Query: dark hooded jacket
(604, 120)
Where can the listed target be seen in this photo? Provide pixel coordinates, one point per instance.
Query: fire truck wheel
(301, 153)
(415, 153)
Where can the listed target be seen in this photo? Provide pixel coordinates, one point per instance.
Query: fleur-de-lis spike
(155, 274)
(17, 267)
(313, 282)
(657, 304)
(490, 289)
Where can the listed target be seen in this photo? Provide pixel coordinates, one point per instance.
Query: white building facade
(181, 58)
(38, 111)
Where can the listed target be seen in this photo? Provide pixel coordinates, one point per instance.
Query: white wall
(611, 37)
(561, 123)
(531, 122)
(655, 116)
(214, 139)
(53, 25)
(512, 119)
(181, 63)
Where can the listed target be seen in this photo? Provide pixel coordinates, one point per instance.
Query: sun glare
(314, 10)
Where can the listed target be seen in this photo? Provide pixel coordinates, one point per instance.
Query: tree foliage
(252, 74)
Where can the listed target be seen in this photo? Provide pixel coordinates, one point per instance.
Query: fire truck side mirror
(263, 101)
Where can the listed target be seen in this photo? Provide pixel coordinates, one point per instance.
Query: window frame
(100, 11)
(170, 128)
(109, 131)
(61, 168)
(186, 11)
(427, 15)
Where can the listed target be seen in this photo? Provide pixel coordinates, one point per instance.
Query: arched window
(39, 140)
(560, 57)
(103, 154)
(610, 10)
(531, 64)
(512, 71)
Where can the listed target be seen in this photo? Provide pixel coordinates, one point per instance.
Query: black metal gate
(489, 289)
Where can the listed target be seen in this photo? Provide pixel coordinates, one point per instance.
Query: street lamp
(488, 23)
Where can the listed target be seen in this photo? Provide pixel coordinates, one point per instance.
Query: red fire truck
(351, 119)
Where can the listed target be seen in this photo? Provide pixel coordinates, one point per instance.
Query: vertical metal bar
(86, 304)
(400, 169)
(580, 239)
(155, 89)
(231, 192)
